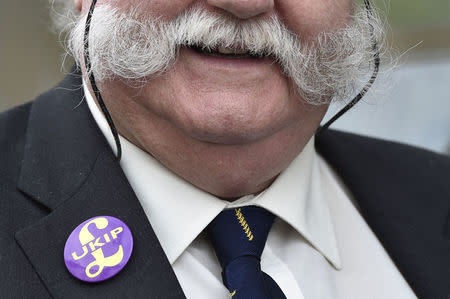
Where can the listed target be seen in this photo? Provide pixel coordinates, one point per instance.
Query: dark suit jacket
(56, 170)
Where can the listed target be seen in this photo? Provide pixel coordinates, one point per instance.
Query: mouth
(225, 52)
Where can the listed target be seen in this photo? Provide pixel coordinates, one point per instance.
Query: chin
(236, 121)
(231, 117)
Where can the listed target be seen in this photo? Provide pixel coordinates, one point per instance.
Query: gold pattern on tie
(244, 224)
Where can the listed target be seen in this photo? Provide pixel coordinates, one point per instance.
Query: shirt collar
(179, 212)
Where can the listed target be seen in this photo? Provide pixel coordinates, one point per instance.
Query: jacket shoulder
(381, 155)
(406, 177)
(13, 127)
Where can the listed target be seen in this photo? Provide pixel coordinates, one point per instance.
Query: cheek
(308, 18)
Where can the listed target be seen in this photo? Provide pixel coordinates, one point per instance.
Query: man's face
(235, 99)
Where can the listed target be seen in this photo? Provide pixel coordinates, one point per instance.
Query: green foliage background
(416, 12)
(423, 25)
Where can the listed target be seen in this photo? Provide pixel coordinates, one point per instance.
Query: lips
(225, 52)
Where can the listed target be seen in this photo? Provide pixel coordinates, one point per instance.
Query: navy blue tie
(238, 237)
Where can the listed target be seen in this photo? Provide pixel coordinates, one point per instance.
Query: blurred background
(411, 104)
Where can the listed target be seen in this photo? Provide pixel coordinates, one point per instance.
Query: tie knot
(240, 232)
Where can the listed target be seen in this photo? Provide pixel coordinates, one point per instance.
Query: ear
(78, 4)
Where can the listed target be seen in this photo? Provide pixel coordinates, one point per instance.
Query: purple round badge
(98, 249)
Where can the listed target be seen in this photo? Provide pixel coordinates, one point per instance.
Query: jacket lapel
(69, 168)
(403, 194)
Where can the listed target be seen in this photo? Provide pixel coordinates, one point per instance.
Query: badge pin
(98, 249)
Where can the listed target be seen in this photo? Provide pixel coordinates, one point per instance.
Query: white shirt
(319, 245)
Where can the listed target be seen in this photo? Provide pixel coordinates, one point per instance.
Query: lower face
(234, 100)
(224, 100)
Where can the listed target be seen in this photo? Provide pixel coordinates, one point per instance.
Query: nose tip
(244, 9)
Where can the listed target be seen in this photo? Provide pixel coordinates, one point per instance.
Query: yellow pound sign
(101, 261)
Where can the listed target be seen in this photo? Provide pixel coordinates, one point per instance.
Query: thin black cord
(369, 83)
(98, 96)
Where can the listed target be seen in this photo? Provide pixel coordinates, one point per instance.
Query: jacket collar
(61, 146)
(69, 168)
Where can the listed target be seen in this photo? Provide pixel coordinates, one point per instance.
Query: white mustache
(131, 46)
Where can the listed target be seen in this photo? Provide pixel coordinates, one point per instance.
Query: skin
(227, 126)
